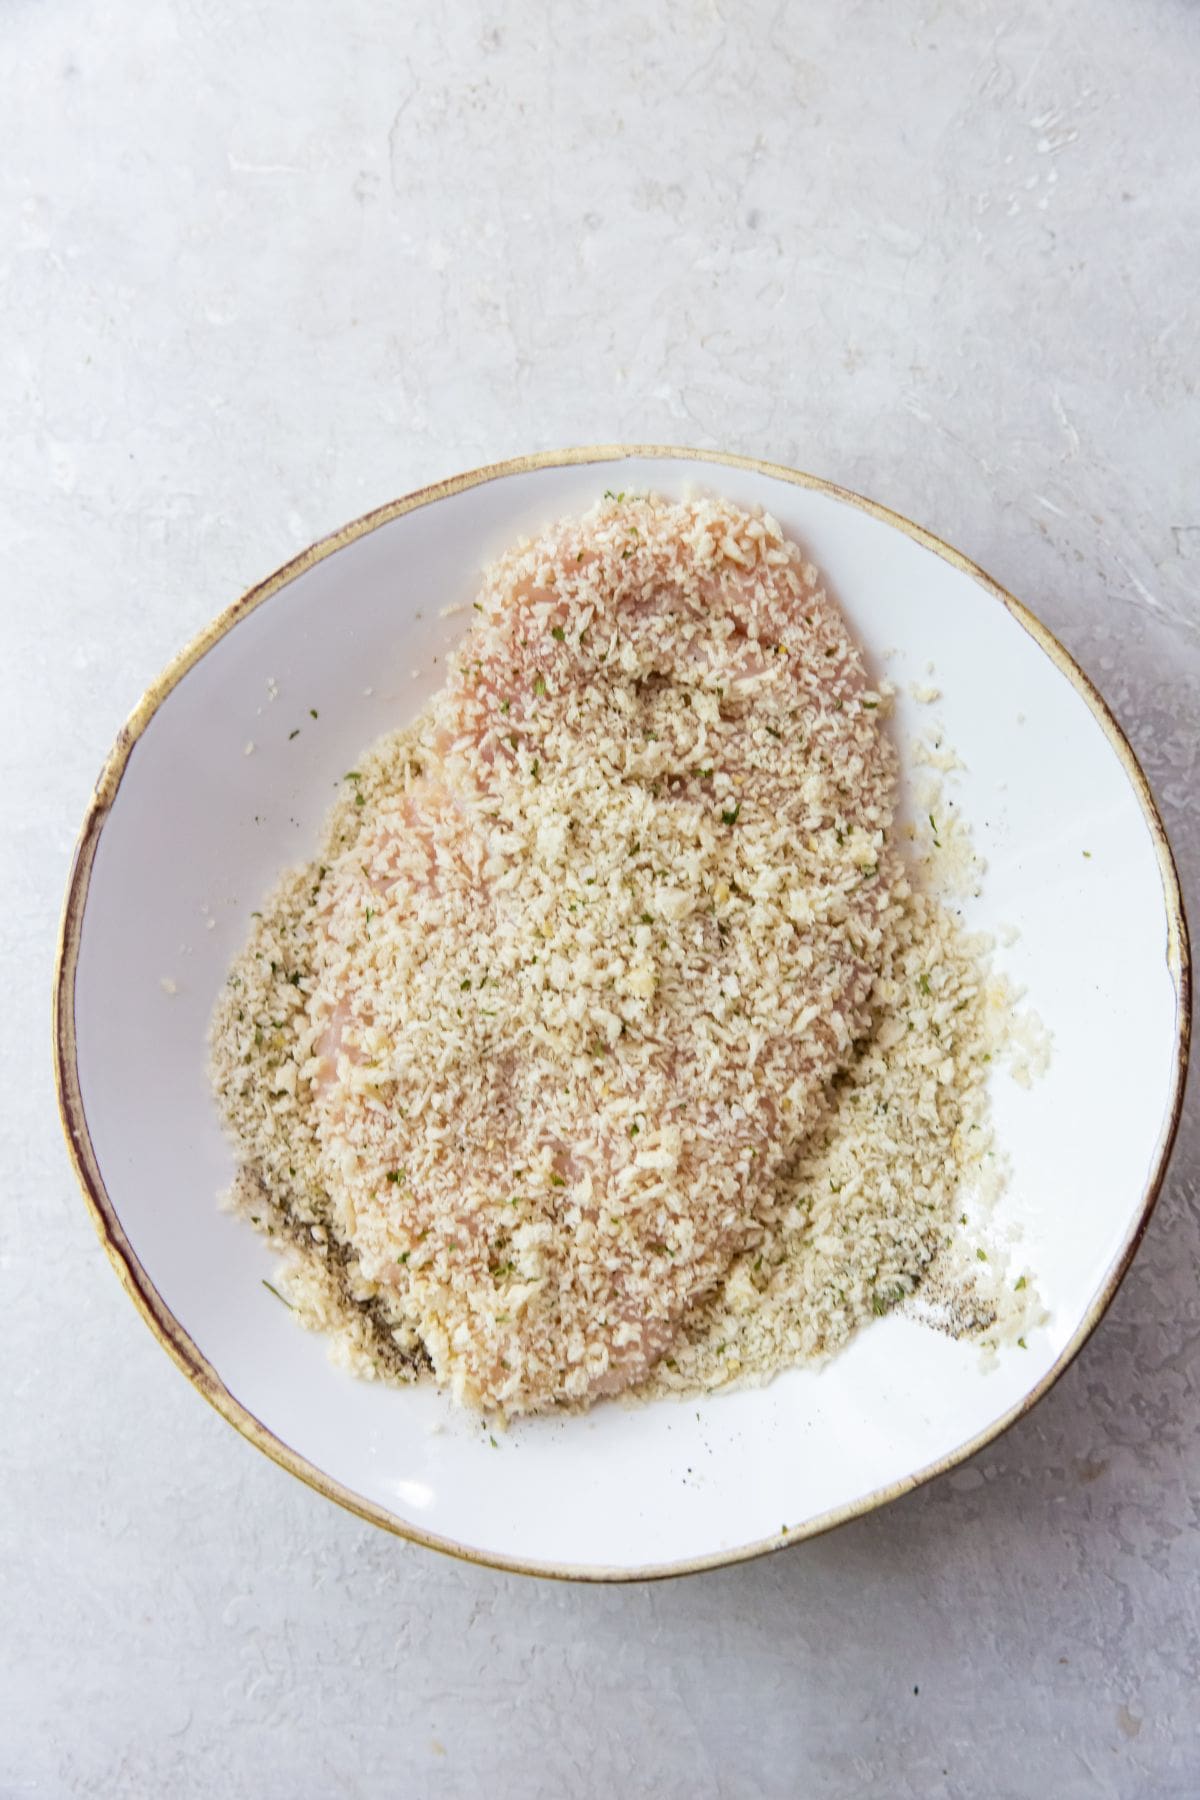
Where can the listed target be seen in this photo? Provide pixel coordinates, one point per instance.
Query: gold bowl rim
(162, 1322)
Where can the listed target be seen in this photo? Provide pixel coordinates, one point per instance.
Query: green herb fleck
(730, 814)
(293, 734)
(1019, 1285)
(981, 1255)
(278, 1296)
(924, 986)
(313, 713)
(558, 634)
(557, 1181)
(1022, 1343)
(539, 686)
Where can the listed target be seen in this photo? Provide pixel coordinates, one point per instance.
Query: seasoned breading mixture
(550, 1066)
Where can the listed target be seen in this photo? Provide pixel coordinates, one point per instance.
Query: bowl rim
(137, 1283)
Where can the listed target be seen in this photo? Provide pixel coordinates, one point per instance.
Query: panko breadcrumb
(610, 1045)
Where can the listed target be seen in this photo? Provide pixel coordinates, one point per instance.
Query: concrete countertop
(266, 265)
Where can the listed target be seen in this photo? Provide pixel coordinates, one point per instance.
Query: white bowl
(186, 828)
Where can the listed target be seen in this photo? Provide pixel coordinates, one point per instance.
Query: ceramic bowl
(190, 826)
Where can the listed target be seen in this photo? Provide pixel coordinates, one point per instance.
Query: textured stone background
(265, 264)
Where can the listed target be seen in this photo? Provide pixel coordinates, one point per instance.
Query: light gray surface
(265, 265)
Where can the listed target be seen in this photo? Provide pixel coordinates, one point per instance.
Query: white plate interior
(200, 824)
